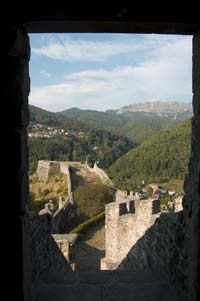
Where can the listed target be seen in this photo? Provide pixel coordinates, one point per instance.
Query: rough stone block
(96, 277)
(196, 104)
(68, 293)
(59, 277)
(196, 64)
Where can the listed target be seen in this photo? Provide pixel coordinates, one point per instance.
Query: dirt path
(91, 248)
(81, 175)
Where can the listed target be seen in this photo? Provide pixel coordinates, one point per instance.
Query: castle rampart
(126, 222)
(121, 196)
(101, 173)
(45, 251)
(47, 168)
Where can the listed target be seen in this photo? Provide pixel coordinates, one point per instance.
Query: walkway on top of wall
(104, 285)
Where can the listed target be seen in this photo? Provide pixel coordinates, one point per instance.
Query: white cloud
(45, 73)
(66, 49)
(165, 74)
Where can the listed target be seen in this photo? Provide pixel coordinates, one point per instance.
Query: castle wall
(62, 217)
(47, 168)
(64, 214)
(49, 252)
(64, 168)
(138, 236)
(125, 224)
(102, 174)
(121, 196)
(67, 245)
(157, 248)
(45, 252)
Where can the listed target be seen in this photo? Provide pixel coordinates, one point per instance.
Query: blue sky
(108, 71)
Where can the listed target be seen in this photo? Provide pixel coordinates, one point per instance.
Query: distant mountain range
(151, 144)
(137, 121)
(160, 108)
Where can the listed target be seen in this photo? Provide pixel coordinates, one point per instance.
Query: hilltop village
(44, 131)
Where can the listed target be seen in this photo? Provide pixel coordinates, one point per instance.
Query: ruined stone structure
(14, 150)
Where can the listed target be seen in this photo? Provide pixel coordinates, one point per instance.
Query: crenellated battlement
(126, 222)
(134, 206)
(121, 195)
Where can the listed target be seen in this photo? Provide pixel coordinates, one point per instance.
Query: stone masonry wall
(62, 217)
(45, 252)
(138, 236)
(121, 196)
(191, 203)
(64, 214)
(157, 248)
(47, 168)
(101, 173)
(126, 223)
(64, 168)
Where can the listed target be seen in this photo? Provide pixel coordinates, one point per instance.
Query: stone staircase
(103, 285)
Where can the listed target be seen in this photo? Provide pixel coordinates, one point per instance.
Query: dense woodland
(160, 158)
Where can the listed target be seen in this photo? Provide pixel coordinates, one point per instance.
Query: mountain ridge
(157, 107)
(136, 125)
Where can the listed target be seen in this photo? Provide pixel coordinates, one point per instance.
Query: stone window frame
(20, 120)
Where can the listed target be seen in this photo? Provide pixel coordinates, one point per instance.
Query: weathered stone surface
(45, 252)
(93, 277)
(68, 293)
(47, 168)
(124, 227)
(196, 64)
(64, 214)
(101, 173)
(105, 285)
(59, 277)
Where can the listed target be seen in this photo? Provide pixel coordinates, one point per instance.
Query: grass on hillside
(174, 184)
(43, 191)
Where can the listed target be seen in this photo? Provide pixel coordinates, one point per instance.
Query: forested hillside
(54, 137)
(160, 158)
(138, 126)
